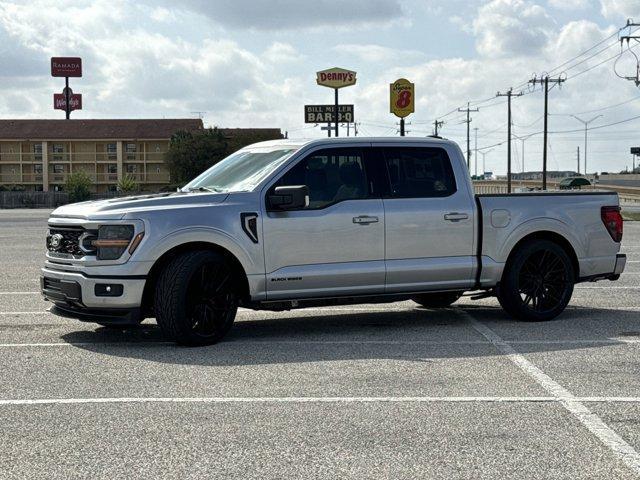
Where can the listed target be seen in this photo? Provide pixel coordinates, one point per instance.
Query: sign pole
(402, 127)
(66, 97)
(336, 102)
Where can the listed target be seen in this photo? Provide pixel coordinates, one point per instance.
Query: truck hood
(117, 208)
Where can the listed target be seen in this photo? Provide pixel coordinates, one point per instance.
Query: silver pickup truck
(288, 224)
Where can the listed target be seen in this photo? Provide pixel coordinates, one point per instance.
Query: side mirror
(289, 198)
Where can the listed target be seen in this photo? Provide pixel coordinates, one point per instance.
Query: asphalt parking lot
(367, 391)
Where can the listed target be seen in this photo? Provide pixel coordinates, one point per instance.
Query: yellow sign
(402, 98)
(336, 78)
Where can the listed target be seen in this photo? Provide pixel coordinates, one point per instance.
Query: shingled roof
(95, 129)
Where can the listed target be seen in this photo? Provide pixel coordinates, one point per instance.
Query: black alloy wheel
(196, 298)
(211, 301)
(538, 281)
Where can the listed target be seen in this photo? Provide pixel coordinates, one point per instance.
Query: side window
(416, 172)
(332, 175)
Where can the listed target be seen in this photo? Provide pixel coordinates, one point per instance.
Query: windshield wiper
(205, 189)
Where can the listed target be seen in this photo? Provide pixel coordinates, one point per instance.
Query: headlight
(112, 241)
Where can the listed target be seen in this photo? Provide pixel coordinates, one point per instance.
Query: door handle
(455, 216)
(365, 219)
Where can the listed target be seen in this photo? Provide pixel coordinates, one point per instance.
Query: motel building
(39, 155)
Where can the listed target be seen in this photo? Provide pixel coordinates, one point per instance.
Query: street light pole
(484, 154)
(586, 124)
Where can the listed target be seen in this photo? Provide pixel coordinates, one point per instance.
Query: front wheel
(196, 300)
(538, 281)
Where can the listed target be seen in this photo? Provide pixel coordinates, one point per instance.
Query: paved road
(367, 391)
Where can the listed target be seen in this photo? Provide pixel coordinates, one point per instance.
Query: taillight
(612, 220)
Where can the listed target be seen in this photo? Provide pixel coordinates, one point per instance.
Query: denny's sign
(336, 78)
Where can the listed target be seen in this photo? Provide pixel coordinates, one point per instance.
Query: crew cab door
(335, 245)
(429, 225)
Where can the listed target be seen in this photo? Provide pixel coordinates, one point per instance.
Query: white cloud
(379, 54)
(620, 9)
(569, 4)
(295, 14)
(280, 53)
(512, 27)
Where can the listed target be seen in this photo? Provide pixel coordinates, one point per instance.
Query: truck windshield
(240, 171)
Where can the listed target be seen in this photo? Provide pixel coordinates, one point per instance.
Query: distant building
(40, 154)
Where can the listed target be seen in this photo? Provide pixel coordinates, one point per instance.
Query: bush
(78, 186)
(128, 184)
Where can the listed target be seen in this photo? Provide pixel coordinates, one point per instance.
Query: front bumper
(77, 290)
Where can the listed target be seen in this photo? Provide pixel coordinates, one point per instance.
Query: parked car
(574, 183)
(288, 224)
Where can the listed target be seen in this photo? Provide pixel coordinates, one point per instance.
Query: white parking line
(35, 312)
(19, 293)
(607, 287)
(573, 405)
(76, 401)
(231, 343)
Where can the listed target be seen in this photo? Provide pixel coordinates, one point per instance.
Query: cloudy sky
(252, 63)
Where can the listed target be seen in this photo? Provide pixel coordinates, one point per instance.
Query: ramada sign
(66, 67)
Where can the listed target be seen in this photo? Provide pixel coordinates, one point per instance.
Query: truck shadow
(412, 335)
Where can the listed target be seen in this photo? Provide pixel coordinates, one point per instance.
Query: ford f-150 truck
(288, 224)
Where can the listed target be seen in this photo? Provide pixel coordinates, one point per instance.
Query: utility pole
(545, 81)
(509, 94)
(468, 122)
(437, 124)
(476, 150)
(586, 124)
(578, 156)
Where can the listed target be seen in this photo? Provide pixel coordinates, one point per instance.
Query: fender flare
(209, 235)
(537, 225)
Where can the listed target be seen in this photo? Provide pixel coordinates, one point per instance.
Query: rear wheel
(538, 281)
(196, 298)
(437, 300)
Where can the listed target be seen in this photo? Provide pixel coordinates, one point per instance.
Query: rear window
(416, 172)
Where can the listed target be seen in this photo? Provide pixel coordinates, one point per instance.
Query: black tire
(537, 282)
(196, 299)
(437, 300)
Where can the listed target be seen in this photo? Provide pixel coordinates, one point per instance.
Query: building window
(58, 150)
(37, 188)
(131, 148)
(112, 188)
(157, 148)
(132, 168)
(112, 168)
(112, 151)
(37, 168)
(37, 152)
(58, 168)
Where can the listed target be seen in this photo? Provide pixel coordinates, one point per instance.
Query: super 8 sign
(401, 99)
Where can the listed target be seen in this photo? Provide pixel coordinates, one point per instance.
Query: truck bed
(505, 219)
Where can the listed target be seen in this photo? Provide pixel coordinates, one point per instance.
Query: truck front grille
(65, 241)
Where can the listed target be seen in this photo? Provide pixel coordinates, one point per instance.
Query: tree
(191, 153)
(78, 186)
(128, 184)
